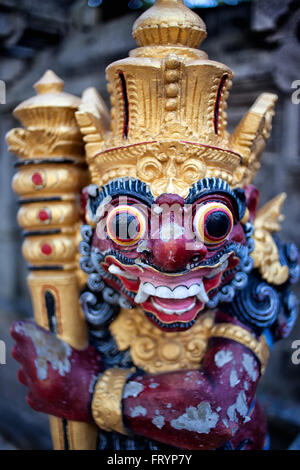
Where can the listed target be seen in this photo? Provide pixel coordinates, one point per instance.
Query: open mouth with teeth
(170, 300)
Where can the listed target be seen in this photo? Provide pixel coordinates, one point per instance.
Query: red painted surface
(66, 396)
(218, 398)
(84, 195)
(189, 409)
(44, 215)
(165, 404)
(37, 179)
(252, 197)
(170, 260)
(46, 249)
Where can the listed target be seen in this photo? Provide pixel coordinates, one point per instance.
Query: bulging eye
(126, 225)
(213, 222)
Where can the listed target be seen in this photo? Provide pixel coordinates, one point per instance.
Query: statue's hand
(60, 378)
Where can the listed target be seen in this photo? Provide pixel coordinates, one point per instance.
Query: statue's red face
(169, 257)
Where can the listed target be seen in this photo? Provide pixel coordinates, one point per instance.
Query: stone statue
(156, 333)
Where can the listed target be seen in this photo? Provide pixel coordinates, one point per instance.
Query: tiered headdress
(168, 117)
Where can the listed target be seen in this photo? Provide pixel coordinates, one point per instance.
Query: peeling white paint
(41, 367)
(240, 406)
(132, 389)
(223, 357)
(138, 411)
(249, 365)
(201, 419)
(153, 385)
(158, 421)
(48, 348)
(225, 422)
(233, 379)
(231, 413)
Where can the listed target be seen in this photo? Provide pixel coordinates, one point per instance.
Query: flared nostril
(196, 258)
(146, 256)
(175, 254)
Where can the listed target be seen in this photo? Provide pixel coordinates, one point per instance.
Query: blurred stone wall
(260, 42)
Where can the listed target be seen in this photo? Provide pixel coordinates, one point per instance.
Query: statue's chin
(173, 313)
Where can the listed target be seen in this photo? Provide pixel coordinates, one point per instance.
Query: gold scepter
(51, 174)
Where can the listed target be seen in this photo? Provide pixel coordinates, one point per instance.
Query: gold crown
(168, 111)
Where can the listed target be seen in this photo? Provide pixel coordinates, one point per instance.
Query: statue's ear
(252, 200)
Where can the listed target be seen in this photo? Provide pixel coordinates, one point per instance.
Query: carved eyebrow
(207, 186)
(140, 190)
(120, 187)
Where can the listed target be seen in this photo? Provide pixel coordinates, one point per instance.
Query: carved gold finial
(169, 22)
(41, 110)
(49, 83)
(50, 128)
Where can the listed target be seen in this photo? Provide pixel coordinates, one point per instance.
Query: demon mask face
(167, 198)
(171, 256)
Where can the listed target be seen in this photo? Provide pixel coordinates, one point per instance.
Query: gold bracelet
(243, 336)
(107, 400)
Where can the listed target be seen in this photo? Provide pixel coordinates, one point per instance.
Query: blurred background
(77, 39)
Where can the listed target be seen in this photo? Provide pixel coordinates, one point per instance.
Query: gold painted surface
(64, 249)
(177, 125)
(168, 166)
(81, 436)
(57, 433)
(162, 52)
(265, 254)
(169, 22)
(60, 213)
(50, 125)
(56, 179)
(154, 350)
(251, 135)
(70, 323)
(243, 336)
(52, 134)
(107, 400)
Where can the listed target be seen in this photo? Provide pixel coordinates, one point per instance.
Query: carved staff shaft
(51, 173)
